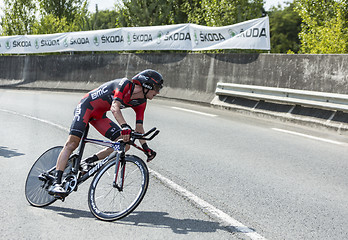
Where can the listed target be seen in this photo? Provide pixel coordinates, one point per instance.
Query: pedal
(42, 177)
(59, 197)
(46, 177)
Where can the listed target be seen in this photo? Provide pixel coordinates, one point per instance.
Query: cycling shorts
(104, 125)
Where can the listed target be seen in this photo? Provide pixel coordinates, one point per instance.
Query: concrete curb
(338, 127)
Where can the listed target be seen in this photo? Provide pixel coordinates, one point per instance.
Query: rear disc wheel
(36, 190)
(42, 175)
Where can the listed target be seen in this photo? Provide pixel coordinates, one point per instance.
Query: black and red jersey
(94, 105)
(99, 100)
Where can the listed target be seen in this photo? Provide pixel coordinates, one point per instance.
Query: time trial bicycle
(119, 184)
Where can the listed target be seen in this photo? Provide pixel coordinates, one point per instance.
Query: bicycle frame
(117, 146)
(40, 180)
(119, 152)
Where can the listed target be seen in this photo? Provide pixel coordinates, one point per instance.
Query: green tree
(222, 12)
(324, 26)
(135, 13)
(68, 9)
(51, 24)
(19, 17)
(62, 16)
(344, 12)
(49, 16)
(204, 12)
(104, 19)
(285, 25)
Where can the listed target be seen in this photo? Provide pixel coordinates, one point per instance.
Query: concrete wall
(187, 76)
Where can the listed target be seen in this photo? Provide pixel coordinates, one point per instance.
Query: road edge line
(222, 216)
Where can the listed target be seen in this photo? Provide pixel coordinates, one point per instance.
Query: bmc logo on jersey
(97, 93)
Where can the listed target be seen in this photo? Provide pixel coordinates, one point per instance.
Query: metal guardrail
(323, 100)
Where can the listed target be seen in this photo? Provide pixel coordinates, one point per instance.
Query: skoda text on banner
(252, 34)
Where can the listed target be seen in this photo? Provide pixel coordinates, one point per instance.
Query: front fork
(120, 169)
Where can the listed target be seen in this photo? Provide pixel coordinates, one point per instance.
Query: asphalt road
(280, 181)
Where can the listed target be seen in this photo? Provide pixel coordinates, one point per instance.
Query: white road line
(37, 119)
(224, 218)
(197, 112)
(309, 136)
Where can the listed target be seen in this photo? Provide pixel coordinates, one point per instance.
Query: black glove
(151, 154)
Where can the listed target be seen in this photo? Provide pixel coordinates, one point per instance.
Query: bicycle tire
(107, 202)
(36, 190)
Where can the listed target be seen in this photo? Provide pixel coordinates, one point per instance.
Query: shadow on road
(154, 220)
(8, 153)
(71, 213)
(179, 226)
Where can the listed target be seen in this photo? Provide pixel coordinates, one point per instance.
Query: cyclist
(114, 96)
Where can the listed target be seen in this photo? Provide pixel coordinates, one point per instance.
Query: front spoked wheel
(106, 200)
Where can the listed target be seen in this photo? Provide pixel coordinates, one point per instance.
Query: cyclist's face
(157, 88)
(151, 94)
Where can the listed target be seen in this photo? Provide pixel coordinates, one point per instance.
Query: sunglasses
(157, 88)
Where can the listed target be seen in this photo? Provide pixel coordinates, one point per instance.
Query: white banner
(252, 34)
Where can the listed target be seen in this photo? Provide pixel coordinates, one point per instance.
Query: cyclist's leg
(109, 129)
(71, 144)
(78, 126)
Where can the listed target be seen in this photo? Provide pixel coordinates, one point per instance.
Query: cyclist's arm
(116, 111)
(139, 110)
(119, 97)
(148, 151)
(140, 129)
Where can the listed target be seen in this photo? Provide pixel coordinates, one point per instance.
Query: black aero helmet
(149, 79)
